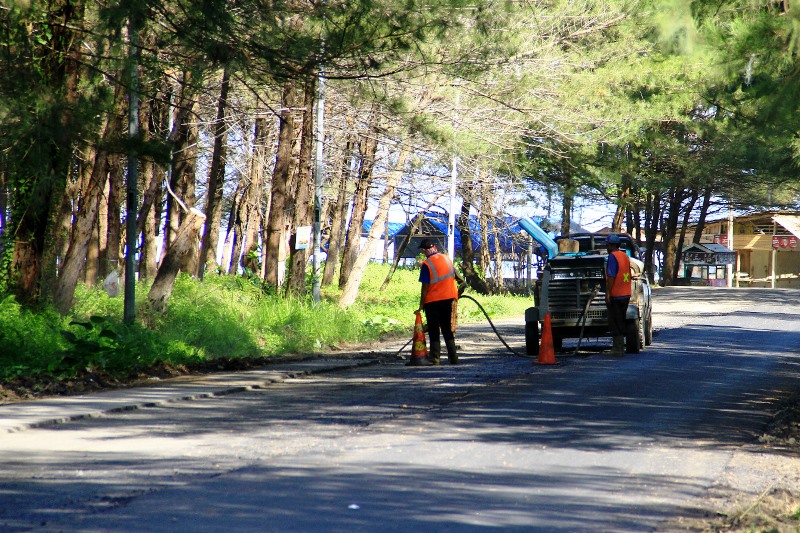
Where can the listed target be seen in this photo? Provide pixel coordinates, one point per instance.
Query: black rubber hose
(490, 323)
(510, 349)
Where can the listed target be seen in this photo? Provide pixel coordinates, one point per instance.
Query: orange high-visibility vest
(622, 282)
(443, 279)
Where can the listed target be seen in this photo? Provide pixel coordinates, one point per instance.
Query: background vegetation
(224, 318)
(154, 139)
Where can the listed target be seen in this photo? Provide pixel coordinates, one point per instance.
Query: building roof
(790, 222)
(708, 247)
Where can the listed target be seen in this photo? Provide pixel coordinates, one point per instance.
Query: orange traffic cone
(419, 350)
(547, 354)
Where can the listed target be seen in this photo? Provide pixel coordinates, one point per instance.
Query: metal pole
(773, 256)
(529, 268)
(729, 268)
(451, 223)
(129, 304)
(319, 170)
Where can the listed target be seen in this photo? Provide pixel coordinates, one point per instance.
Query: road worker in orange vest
(618, 291)
(438, 298)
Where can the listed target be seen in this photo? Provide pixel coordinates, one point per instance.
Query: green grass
(221, 317)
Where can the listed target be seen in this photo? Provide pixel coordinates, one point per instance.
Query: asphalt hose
(510, 349)
(463, 296)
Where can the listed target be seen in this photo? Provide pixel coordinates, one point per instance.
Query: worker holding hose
(438, 299)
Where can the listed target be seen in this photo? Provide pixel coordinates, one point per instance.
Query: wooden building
(766, 247)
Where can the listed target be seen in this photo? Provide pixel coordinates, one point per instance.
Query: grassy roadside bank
(224, 322)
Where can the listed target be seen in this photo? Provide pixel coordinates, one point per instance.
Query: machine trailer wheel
(532, 338)
(558, 343)
(634, 336)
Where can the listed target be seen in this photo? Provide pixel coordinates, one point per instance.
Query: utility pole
(319, 170)
(729, 268)
(129, 304)
(451, 222)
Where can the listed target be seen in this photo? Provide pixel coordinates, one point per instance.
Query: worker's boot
(619, 346)
(452, 354)
(435, 352)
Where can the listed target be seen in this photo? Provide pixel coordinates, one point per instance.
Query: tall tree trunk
(34, 254)
(253, 201)
(498, 256)
(184, 152)
(67, 208)
(652, 224)
(155, 121)
(233, 237)
(149, 220)
(368, 149)
(99, 240)
(566, 207)
(303, 214)
(687, 213)
(109, 221)
(216, 182)
(113, 253)
(483, 217)
(280, 179)
(622, 205)
(467, 251)
(184, 244)
(668, 233)
(85, 220)
(337, 235)
(701, 221)
(350, 290)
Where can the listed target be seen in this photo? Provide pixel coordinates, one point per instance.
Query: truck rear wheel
(648, 330)
(634, 336)
(532, 338)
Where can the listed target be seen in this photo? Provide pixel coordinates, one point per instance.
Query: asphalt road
(593, 443)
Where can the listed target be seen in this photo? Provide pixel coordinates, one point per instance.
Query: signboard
(722, 239)
(698, 258)
(302, 238)
(784, 242)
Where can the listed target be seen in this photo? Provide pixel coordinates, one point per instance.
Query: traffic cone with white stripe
(419, 350)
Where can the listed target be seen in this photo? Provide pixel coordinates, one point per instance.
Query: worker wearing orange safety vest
(438, 298)
(618, 292)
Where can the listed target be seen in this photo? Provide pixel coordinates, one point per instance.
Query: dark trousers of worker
(439, 318)
(617, 311)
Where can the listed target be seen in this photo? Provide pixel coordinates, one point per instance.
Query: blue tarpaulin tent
(394, 228)
(511, 239)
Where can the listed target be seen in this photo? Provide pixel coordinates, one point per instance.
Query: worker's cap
(426, 243)
(613, 238)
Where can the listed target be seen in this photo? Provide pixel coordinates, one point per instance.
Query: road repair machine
(571, 288)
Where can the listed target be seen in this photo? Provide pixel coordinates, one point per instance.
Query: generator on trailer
(571, 287)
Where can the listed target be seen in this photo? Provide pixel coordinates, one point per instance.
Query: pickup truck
(571, 288)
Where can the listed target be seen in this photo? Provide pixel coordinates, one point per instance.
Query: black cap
(426, 243)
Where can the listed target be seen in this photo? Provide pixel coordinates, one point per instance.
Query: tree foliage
(656, 106)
